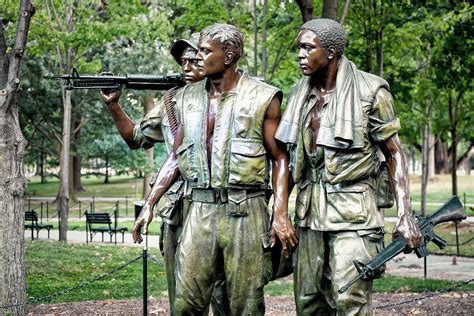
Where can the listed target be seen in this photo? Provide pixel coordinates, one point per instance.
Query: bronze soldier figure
(336, 120)
(159, 125)
(222, 146)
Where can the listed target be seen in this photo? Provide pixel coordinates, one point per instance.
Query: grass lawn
(118, 186)
(55, 266)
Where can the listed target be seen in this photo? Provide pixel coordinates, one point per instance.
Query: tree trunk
(329, 9)
(63, 197)
(453, 116)
(264, 40)
(380, 41)
(76, 171)
(369, 65)
(425, 165)
(306, 9)
(106, 180)
(431, 156)
(65, 61)
(255, 38)
(441, 157)
(76, 159)
(148, 104)
(345, 11)
(12, 173)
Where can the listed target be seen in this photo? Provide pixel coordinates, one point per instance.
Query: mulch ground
(453, 303)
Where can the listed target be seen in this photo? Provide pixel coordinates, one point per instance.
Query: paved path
(407, 265)
(74, 236)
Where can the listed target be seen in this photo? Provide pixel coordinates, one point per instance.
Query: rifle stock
(450, 211)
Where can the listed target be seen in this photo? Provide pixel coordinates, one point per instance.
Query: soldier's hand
(407, 228)
(143, 220)
(284, 229)
(110, 95)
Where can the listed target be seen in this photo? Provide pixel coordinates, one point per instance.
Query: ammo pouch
(170, 202)
(382, 187)
(376, 239)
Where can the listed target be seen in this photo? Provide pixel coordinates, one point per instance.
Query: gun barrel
(348, 285)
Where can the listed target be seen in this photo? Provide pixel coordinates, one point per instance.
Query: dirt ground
(453, 303)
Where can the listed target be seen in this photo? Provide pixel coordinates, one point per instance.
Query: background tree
(12, 153)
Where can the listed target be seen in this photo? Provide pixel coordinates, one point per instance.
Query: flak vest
(238, 158)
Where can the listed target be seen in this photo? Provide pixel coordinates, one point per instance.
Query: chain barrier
(461, 244)
(158, 262)
(87, 283)
(424, 297)
(77, 287)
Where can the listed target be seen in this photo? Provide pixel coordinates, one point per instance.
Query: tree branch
(3, 56)
(466, 153)
(27, 10)
(344, 12)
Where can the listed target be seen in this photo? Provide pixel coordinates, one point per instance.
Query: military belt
(223, 195)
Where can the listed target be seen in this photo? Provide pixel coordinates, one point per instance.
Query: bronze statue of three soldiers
(231, 148)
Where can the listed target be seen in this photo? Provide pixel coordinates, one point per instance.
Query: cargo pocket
(187, 160)
(347, 204)
(170, 202)
(303, 198)
(237, 205)
(248, 162)
(374, 244)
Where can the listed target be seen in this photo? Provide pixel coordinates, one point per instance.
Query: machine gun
(450, 211)
(106, 82)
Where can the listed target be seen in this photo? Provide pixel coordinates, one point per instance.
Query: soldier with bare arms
(223, 148)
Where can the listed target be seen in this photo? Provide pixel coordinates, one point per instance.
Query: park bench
(31, 222)
(93, 220)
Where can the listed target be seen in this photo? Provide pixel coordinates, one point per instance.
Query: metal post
(47, 210)
(425, 272)
(80, 210)
(145, 279)
(41, 212)
(92, 210)
(115, 220)
(457, 237)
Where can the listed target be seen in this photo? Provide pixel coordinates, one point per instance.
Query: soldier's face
(211, 59)
(311, 56)
(189, 66)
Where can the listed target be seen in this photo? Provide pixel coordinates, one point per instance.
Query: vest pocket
(303, 198)
(187, 160)
(170, 202)
(347, 204)
(247, 163)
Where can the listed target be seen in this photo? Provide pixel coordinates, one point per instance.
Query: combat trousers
(213, 237)
(168, 244)
(324, 264)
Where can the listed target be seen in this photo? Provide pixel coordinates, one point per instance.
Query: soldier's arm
(398, 174)
(122, 121)
(281, 226)
(167, 175)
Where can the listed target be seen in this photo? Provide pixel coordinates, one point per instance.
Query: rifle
(450, 211)
(137, 82)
